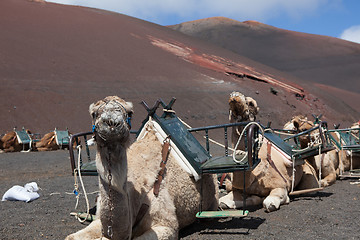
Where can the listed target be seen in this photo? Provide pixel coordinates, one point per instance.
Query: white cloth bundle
(18, 193)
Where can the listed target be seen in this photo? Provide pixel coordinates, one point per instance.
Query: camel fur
(327, 162)
(264, 184)
(9, 143)
(127, 204)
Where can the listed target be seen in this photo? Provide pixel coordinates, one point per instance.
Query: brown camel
(50, 142)
(12, 143)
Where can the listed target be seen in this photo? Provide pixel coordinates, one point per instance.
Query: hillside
(314, 59)
(55, 60)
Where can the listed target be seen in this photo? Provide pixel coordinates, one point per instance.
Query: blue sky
(336, 18)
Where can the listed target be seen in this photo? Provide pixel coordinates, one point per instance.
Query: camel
(11, 143)
(350, 158)
(49, 142)
(356, 125)
(327, 163)
(128, 207)
(270, 182)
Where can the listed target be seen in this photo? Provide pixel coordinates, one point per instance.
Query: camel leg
(327, 161)
(93, 231)
(43, 149)
(309, 178)
(277, 197)
(159, 233)
(329, 172)
(234, 200)
(329, 179)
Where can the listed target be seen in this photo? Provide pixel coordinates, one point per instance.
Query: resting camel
(49, 143)
(327, 162)
(270, 182)
(10, 143)
(356, 125)
(128, 207)
(350, 159)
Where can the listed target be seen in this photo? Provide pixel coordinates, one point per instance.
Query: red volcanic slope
(55, 60)
(311, 58)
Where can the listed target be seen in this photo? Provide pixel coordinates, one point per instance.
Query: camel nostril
(110, 123)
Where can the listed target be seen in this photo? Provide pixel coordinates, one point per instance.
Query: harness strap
(271, 162)
(160, 176)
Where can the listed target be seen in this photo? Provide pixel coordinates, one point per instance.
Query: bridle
(128, 116)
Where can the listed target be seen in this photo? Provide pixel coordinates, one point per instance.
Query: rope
(312, 170)
(76, 188)
(351, 160)
(293, 174)
(241, 135)
(311, 143)
(283, 133)
(321, 159)
(211, 140)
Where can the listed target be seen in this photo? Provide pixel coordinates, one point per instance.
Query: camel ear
(252, 103)
(296, 124)
(94, 107)
(91, 110)
(129, 108)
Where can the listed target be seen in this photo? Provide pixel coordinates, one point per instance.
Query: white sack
(18, 193)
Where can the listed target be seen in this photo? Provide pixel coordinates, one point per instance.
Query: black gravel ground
(333, 213)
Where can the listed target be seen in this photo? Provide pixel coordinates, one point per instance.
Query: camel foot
(277, 197)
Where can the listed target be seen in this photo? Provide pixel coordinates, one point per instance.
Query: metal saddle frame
(200, 158)
(349, 141)
(24, 138)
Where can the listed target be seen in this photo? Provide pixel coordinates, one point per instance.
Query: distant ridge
(311, 58)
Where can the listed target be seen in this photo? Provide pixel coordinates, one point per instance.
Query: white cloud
(351, 34)
(160, 11)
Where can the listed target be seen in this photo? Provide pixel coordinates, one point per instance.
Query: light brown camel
(350, 159)
(270, 182)
(356, 125)
(128, 207)
(10, 142)
(327, 163)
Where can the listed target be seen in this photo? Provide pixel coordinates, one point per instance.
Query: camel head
(111, 119)
(242, 108)
(299, 123)
(355, 125)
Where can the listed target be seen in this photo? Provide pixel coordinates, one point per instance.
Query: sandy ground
(333, 213)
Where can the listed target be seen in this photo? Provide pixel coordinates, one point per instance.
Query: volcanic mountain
(55, 60)
(329, 63)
